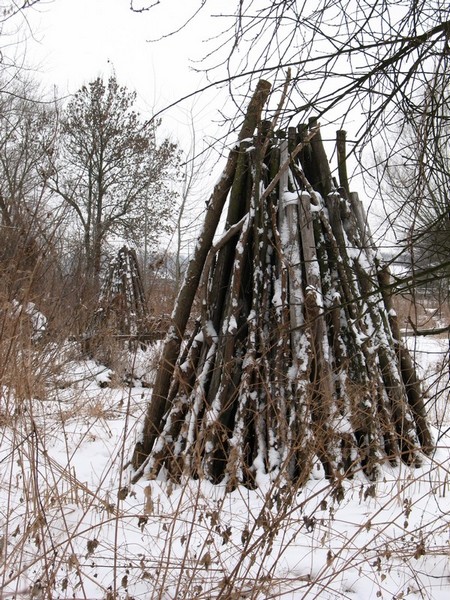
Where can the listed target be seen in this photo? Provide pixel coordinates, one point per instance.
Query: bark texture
(295, 362)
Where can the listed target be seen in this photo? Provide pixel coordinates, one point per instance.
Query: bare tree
(366, 59)
(14, 26)
(27, 129)
(110, 170)
(414, 180)
(368, 64)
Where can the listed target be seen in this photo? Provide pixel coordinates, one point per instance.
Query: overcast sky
(71, 42)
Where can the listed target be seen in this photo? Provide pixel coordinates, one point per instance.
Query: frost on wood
(295, 360)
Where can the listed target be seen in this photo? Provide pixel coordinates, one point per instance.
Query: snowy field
(73, 527)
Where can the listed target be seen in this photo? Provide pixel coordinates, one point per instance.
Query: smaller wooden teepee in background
(296, 359)
(122, 310)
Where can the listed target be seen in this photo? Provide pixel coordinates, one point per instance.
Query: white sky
(74, 41)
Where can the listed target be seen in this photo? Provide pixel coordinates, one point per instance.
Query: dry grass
(73, 526)
(421, 311)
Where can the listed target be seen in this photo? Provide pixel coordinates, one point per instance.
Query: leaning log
(185, 299)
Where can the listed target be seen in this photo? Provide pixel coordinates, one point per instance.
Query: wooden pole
(341, 150)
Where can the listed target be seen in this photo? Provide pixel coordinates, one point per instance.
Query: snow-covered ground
(72, 526)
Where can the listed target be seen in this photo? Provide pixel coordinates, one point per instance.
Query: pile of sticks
(296, 360)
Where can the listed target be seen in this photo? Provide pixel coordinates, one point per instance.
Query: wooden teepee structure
(296, 358)
(122, 309)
